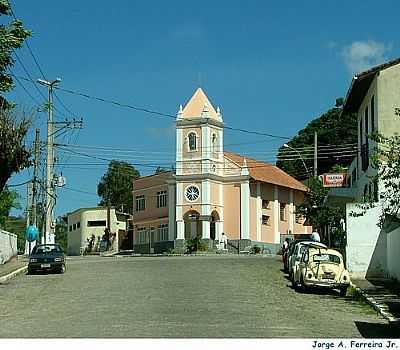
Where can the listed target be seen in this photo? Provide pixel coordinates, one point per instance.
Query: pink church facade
(213, 191)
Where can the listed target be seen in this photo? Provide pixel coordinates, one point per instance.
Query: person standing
(315, 237)
(223, 241)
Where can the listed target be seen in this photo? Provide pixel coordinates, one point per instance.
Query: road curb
(13, 274)
(380, 308)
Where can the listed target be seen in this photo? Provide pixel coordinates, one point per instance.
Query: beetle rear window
(326, 258)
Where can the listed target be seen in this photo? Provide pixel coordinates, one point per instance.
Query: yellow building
(85, 222)
(213, 192)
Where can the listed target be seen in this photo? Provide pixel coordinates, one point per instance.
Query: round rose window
(192, 193)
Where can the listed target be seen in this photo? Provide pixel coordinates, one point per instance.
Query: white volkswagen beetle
(323, 268)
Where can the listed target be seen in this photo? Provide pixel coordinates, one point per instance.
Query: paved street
(222, 296)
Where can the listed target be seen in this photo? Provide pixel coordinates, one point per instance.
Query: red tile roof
(265, 172)
(152, 180)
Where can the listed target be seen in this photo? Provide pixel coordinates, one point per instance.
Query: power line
(130, 150)
(27, 92)
(155, 166)
(156, 113)
(28, 46)
(79, 191)
(39, 67)
(20, 184)
(30, 77)
(64, 106)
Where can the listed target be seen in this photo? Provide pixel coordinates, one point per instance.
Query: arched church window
(214, 143)
(192, 137)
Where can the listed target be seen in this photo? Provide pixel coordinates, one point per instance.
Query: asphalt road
(222, 296)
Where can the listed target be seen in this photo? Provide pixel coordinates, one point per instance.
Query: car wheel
(30, 272)
(62, 269)
(343, 291)
(303, 287)
(294, 284)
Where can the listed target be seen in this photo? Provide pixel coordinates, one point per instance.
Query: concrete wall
(8, 246)
(388, 100)
(366, 248)
(393, 255)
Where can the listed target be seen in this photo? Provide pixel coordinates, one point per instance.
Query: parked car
(322, 268)
(299, 248)
(47, 257)
(286, 254)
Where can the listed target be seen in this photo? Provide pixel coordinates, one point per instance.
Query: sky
(271, 66)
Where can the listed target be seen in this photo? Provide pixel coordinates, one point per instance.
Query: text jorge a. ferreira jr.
(355, 344)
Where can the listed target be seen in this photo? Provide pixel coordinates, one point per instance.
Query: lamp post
(50, 202)
(301, 158)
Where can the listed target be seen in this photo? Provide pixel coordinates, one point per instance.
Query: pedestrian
(285, 253)
(285, 244)
(223, 240)
(315, 237)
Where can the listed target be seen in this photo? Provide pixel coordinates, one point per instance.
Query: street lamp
(50, 202)
(301, 158)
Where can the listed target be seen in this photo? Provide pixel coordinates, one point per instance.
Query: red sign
(334, 180)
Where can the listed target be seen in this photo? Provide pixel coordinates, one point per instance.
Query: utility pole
(50, 199)
(35, 179)
(28, 246)
(31, 214)
(315, 154)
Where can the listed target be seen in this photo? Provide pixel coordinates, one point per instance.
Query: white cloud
(361, 55)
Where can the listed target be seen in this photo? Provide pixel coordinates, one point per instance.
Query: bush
(195, 245)
(172, 251)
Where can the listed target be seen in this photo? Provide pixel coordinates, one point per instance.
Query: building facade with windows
(374, 96)
(214, 191)
(85, 222)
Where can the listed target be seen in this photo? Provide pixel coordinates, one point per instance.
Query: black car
(47, 257)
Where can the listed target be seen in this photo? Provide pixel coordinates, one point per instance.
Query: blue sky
(271, 66)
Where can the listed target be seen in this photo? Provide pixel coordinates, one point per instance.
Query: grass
(357, 297)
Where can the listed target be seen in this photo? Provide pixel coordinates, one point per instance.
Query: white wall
(366, 244)
(393, 255)
(8, 246)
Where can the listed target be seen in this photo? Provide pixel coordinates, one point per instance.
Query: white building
(85, 222)
(374, 95)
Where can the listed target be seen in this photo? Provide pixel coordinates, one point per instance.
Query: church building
(213, 191)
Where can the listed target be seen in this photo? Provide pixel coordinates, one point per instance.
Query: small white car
(322, 268)
(294, 258)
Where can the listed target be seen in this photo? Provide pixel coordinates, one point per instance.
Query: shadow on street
(378, 330)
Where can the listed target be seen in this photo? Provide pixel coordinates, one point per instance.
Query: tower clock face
(192, 193)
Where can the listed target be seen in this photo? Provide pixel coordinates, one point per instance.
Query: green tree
(385, 159)
(317, 214)
(61, 231)
(116, 185)
(332, 128)
(12, 36)
(8, 200)
(13, 154)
